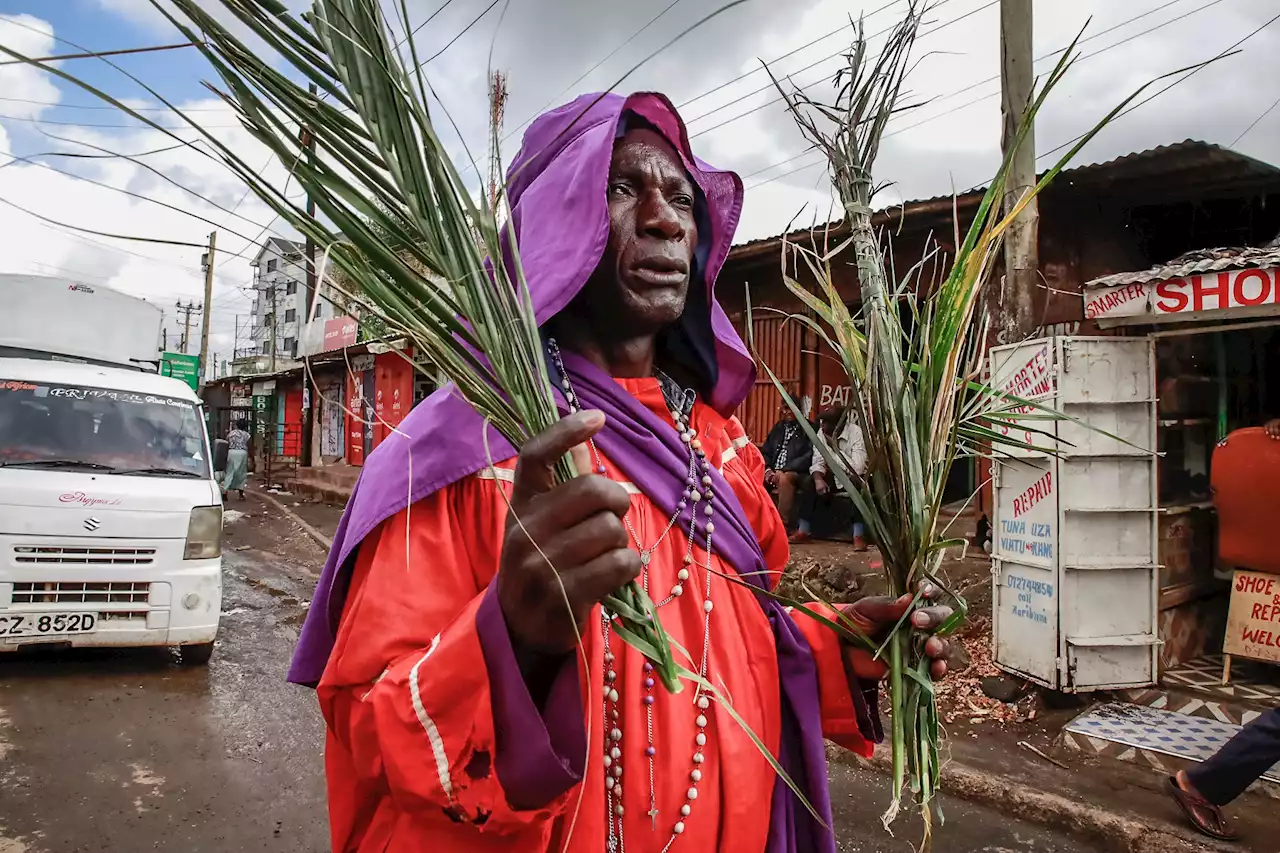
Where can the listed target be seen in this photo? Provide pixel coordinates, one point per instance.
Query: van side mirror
(220, 448)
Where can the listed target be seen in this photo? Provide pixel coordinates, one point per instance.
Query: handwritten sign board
(1183, 297)
(1253, 622)
(1025, 373)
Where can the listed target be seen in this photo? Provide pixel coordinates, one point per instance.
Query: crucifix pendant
(653, 816)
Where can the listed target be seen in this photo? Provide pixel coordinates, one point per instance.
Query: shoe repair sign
(1183, 298)
(1253, 622)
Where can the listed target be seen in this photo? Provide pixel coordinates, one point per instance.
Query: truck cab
(110, 514)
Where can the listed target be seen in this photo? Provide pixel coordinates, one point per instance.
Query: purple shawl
(557, 188)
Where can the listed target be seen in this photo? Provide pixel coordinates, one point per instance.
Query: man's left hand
(878, 615)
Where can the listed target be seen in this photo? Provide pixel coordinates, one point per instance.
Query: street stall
(1074, 531)
(1214, 318)
(1108, 568)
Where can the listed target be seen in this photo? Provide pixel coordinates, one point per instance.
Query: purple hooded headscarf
(557, 190)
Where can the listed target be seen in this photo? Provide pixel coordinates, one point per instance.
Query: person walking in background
(233, 479)
(1202, 790)
(788, 454)
(849, 444)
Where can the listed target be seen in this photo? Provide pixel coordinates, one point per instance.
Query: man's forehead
(647, 139)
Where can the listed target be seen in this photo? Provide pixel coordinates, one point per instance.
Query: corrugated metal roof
(1200, 261)
(1194, 166)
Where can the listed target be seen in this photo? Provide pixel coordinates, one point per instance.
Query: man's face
(786, 415)
(643, 278)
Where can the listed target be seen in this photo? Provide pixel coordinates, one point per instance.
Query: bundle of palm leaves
(915, 388)
(414, 248)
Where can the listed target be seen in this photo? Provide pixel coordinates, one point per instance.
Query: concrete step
(331, 483)
(1161, 739)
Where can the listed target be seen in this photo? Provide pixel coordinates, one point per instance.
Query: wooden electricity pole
(187, 310)
(308, 140)
(274, 324)
(314, 283)
(204, 317)
(1016, 313)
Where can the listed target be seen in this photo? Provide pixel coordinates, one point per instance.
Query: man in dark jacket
(788, 454)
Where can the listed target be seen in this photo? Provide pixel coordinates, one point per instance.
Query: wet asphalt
(127, 751)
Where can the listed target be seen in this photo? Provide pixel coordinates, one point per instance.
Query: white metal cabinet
(1074, 543)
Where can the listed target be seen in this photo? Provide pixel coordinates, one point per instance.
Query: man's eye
(619, 190)
(682, 201)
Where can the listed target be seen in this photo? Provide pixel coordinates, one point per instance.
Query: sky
(555, 49)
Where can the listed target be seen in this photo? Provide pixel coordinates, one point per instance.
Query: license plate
(42, 624)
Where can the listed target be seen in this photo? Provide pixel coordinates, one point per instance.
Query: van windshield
(99, 429)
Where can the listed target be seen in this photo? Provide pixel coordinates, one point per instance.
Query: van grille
(117, 592)
(68, 555)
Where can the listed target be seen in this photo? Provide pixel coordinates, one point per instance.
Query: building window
(266, 348)
(291, 288)
(271, 265)
(291, 347)
(290, 315)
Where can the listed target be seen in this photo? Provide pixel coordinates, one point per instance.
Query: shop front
(1118, 582)
(380, 391)
(1214, 320)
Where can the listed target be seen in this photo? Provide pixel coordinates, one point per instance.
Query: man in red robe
(476, 698)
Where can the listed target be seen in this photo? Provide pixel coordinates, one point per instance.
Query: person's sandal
(1206, 817)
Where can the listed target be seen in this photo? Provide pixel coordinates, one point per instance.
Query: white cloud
(546, 44)
(33, 37)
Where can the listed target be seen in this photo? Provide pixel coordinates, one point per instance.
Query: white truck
(110, 514)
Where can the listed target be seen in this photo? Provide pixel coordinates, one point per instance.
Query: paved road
(125, 752)
(859, 797)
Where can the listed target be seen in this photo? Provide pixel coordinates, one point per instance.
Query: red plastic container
(1246, 491)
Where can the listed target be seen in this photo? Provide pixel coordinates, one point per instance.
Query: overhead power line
(585, 74)
(988, 96)
(868, 16)
(135, 238)
(63, 106)
(825, 78)
(130, 193)
(1254, 123)
(94, 54)
(116, 126)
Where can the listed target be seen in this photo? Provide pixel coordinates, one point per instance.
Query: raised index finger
(535, 471)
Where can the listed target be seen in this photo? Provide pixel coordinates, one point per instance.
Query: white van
(110, 516)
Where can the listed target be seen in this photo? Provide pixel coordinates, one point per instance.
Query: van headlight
(204, 533)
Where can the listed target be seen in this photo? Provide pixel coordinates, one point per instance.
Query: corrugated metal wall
(778, 343)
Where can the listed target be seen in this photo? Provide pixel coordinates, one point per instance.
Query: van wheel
(195, 655)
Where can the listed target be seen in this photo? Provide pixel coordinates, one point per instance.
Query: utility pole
(313, 292)
(187, 310)
(273, 327)
(208, 300)
(497, 111)
(308, 140)
(1016, 314)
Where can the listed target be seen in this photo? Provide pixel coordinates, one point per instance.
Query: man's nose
(658, 218)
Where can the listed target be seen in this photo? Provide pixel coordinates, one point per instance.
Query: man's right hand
(820, 483)
(770, 478)
(1273, 429)
(578, 529)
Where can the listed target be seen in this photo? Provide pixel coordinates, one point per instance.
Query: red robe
(419, 701)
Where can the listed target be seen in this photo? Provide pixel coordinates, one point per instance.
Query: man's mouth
(661, 272)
